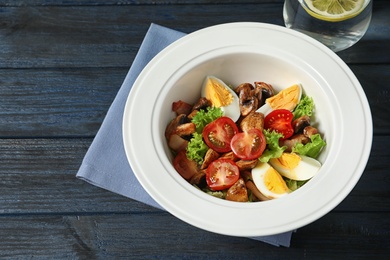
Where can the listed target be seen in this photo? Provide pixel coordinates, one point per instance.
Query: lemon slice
(333, 10)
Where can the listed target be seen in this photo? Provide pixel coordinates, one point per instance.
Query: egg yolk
(289, 160)
(286, 99)
(217, 93)
(274, 182)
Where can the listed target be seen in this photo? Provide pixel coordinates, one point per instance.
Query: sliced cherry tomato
(222, 174)
(280, 121)
(218, 134)
(248, 145)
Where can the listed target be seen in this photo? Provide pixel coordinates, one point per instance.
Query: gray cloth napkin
(105, 164)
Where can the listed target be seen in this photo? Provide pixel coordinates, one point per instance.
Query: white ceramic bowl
(237, 53)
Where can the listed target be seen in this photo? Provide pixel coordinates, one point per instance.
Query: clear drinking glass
(336, 33)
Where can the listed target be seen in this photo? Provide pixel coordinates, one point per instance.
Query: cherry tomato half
(280, 121)
(248, 145)
(218, 134)
(222, 174)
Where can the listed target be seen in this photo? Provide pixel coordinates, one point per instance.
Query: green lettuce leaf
(304, 107)
(273, 149)
(218, 194)
(293, 184)
(196, 149)
(311, 149)
(204, 117)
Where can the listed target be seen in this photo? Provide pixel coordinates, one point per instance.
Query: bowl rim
(173, 61)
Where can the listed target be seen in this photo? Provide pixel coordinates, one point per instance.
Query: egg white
(266, 108)
(258, 174)
(233, 109)
(306, 169)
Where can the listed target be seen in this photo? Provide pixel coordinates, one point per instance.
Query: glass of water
(338, 24)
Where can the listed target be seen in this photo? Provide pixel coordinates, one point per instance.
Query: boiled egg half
(220, 95)
(268, 181)
(288, 99)
(296, 167)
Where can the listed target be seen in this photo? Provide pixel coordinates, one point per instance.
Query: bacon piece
(181, 107)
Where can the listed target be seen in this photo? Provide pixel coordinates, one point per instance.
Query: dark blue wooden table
(61, 65)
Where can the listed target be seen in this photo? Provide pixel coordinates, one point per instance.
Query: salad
(245, 144)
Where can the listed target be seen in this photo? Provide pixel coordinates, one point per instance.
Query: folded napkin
(105, 164)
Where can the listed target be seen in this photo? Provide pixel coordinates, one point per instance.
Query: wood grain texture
(160, 235)
(56, 102)
(132, 2)
(52, 36)
(373, 79)
(39, 174)
(61, 65)
(73, 102)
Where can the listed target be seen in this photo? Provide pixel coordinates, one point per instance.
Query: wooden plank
(125, 235)
(375, 82)
(65, 102)
(372, 190)
(109, 36)
(73, 102)
(357, 235)
(133, 2)
(38, 176)
(61, 65)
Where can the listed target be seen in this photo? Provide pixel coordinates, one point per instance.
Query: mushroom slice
(172, 126)
(237, 192)
(185, 129)
(290, 143)
(177, 143)
(255, 191)
(256, 194)
(257, 91)
(198, 177)
(300, 123)
(210, 156)
(244, 165)
(230, 155)
(244, 86)
(247, 100)
(266, 91)
(252, 120)
(202, 103)
(309, 131)
(192, 114)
